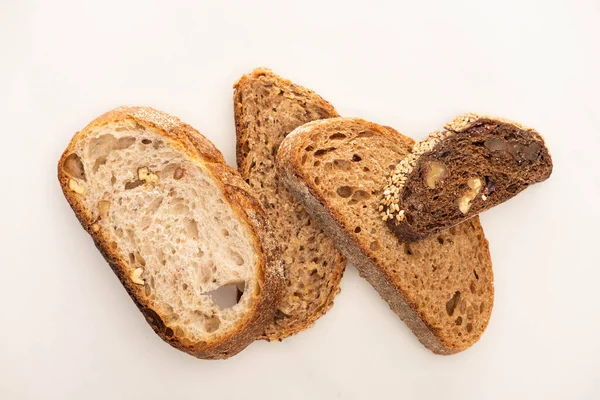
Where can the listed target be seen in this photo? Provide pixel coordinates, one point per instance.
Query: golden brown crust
(288, 164)
(244, 167)
(200, 150)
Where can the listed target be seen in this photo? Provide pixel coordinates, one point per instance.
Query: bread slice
(267, 108)
(180, 229)
(474, 164)
(441, 287)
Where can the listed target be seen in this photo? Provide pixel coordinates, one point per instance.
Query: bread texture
(267, 108)
(441, 287)
(472, 165)
(180, 229)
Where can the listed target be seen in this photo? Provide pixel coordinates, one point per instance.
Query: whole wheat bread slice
(267, 108)
(180, 229)
(473, 165)
(441, 287)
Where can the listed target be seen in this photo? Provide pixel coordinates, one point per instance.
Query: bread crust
(288, 164)
(242, 136)
(201, 151)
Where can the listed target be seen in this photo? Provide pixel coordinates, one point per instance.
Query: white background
(69, 331)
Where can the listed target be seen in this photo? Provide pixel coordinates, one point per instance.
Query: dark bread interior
(474, 169)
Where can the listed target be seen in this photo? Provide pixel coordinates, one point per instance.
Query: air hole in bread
(472, 287)
(458, 321)
(100, 147)
(317, 180)
(344, 191)
(237, 258)
(407, 249)
(356, 158)
(211, 324)
(357, 229)
(469, 327)
(341, 164)
(361, 195)
(246, 147)
(140, 259)
(321, 152)
(191, 227)
(146, 141)
(440, 240)
(74, 167)
(133, 184)
(366, 169)
(228, 295)
(317, 163)
(337, 136)
(452, 303)
(365, 134)
(131, 258)
(374, 246)
(309, 148)
(304, 158)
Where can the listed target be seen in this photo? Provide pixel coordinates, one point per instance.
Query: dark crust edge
(360, 256)
(238, 194)
(241, 136)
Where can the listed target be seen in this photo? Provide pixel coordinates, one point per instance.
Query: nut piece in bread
(175, 240)
(441, 287)
(485, 161)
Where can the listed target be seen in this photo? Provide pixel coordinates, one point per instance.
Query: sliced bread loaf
(441, 287)
(471, 166)
(180, 229)
(267, 108)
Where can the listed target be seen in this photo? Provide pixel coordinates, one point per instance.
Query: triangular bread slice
(267, 108)
(179, 227)
(441, 287)
(472, 165)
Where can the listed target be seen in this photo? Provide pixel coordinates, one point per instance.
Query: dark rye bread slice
(473, 165)
(179, 227)
(441, 287)
(267, 108)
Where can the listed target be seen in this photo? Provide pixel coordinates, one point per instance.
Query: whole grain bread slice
(267, 108)
(181, 229)
(472, 165)
(441, 287)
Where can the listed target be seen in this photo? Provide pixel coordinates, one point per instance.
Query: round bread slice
(441, 287)
(473, 165)
(179, 227)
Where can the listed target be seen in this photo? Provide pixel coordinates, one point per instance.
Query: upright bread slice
(441, 287)
(267, 108)
(180, 229)
(474, 164)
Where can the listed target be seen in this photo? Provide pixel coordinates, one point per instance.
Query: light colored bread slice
(473, 165)
(180, 229)
(441, 287)
(267, 108)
